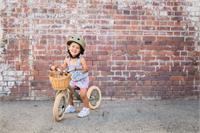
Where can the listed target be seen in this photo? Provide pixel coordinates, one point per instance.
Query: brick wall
(135, 48)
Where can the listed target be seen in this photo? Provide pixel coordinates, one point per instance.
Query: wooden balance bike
(60, 83)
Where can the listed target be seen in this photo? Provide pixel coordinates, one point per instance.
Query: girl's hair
(78, 55)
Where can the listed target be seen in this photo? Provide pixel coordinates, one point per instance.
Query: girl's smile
(74, 49)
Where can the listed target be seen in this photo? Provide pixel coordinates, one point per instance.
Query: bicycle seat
(76, 88)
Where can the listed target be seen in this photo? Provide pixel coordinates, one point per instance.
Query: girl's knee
(83, 93)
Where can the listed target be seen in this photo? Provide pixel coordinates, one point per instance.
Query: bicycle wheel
(59, 106)
(94, 96)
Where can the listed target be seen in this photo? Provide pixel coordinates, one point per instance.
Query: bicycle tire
(59, 106)
(94, 96)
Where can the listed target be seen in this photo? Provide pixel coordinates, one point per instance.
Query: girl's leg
(71, 96)
(70, 108)
(83, 95)
(85, 111)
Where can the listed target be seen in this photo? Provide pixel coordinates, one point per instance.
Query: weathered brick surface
(135, 48)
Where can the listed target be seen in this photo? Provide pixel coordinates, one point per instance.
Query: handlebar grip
(58, 69)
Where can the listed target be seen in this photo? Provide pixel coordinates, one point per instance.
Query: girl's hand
(53, 68)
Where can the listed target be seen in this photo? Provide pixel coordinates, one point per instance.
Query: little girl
(77, 66)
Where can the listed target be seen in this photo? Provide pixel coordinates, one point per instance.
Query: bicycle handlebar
(64, 71)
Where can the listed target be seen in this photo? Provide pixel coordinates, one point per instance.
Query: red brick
(121, 43)
(175, 78)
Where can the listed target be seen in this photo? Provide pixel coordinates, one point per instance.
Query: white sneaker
(84, 112)
(70, 109)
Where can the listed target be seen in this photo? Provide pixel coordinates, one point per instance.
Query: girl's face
(74, 49)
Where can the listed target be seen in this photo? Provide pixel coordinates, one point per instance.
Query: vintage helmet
(78, 40)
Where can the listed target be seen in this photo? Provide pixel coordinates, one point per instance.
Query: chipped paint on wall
(194, 18)
(2, 47)
(8, 76)
(191, 8)
(2, 6)
(77, 20)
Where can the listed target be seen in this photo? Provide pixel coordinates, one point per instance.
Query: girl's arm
(64, 65)
(84, 64)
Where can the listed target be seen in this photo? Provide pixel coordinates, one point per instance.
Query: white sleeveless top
(79, 79)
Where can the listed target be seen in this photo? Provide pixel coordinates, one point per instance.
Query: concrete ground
(117, 116)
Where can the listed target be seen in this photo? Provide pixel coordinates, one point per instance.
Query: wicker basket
(59, 82)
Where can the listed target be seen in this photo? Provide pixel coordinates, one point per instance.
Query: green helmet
(78, 40)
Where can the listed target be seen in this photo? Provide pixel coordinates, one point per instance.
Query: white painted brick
(11, 83)
(8, 73)
(163, 13)
(8, 78)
